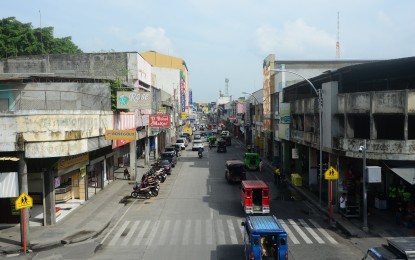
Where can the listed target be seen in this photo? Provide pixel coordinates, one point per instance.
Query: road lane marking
(311, 231)
(130, 233)
(220, 232)
(153, 233)
(186, 232)
(232, 233)
(300, 231)
(141, 233)
(119, 220)
(289, 232)
(118, 234)
(198, 232)
(164, 233)
(173, 239)
(209, 232)
(324, 232)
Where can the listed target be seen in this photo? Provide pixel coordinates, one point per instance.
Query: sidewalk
(381, 223)
(88, 220)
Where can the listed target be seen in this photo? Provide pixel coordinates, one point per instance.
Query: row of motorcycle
(149, 185)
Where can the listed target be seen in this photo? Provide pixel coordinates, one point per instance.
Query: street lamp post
(320, 108)
(363, 150)
(246, 93)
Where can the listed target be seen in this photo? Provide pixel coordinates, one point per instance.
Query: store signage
(133, 100)
(68, 161)
(294, 152)
(82, 170)
(120, 134)
(159, 120)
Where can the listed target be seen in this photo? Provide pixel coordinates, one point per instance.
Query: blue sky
(222, 39)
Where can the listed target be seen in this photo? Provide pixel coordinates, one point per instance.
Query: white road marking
(164, 232)
(299, 231)
(232, 233)
(130, 233)
(198, 232)
(173, 239)
(209, 232)
(186, 232)
(141, 233)
(118, 234)
(153, 233)
(220, 232)
(289, 232)
(324, 232)
(311, 231)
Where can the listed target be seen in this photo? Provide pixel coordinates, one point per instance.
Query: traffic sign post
(24, 201)
(330, 175)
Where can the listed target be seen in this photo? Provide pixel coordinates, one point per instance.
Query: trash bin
(296, 180)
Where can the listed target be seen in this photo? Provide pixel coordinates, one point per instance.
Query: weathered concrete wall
(86, 65)
(411, 101)
(358, 103)
(389, 102)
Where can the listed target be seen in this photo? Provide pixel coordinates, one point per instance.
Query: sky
(229, 39)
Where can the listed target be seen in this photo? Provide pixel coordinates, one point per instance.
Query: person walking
(343, 201)
(261, 165)
(277, 175)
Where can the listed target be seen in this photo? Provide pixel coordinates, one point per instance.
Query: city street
(197, 215)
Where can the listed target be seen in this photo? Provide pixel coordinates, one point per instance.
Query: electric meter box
(374, 174)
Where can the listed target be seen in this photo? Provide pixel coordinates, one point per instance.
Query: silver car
(197, 144)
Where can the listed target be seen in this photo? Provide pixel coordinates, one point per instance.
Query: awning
(408, 174)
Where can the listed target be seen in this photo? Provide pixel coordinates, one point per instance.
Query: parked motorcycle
(141, 192)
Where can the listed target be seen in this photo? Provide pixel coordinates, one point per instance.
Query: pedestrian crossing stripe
(209, 232)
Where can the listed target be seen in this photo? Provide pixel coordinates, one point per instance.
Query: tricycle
(252, 161)
(235, 170)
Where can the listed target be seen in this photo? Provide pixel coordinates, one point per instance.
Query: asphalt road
(197, 215)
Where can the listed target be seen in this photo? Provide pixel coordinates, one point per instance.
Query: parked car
(170, 156)
(187, 136)
(171, 149)
(181, 142)
(197, 144)
(166, 165)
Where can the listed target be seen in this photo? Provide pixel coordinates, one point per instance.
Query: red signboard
(160, 120)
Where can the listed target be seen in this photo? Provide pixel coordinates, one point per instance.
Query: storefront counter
(63, 193)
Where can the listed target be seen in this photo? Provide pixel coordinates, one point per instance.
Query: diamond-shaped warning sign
(24, 201)
(331, 174)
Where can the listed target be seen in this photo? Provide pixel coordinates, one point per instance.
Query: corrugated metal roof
(254, 184)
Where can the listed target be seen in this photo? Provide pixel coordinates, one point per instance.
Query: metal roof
(265, 223)
(254, 184)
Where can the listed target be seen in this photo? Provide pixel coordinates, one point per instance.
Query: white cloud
(154, 38)
(296, 40)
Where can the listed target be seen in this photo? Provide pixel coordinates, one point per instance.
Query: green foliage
(19, 39)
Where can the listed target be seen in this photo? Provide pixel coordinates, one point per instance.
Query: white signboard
(133, 100)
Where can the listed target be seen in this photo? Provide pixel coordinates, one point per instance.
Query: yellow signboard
(127, 135)
(24, 201)
(184, 115)
(331, 174)
(188, 130)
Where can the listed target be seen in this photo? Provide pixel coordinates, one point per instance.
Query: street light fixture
(320, 108)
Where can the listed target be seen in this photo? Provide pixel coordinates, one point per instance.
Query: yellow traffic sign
(331, 174)
(24, 201)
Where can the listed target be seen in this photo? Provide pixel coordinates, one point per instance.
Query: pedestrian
(261, 165)
(126, 174)
(277, 175)
(343, 201)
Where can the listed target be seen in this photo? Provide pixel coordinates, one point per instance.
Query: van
(397, 248)
(264, 238)
(255, 197)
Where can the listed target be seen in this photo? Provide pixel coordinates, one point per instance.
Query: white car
(197, 144)
(181, 142)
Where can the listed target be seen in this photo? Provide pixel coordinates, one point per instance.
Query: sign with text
(159, 120)
(120, 135)
(133, 100)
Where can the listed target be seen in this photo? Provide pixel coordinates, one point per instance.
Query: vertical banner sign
(182, 95)
(190, 97)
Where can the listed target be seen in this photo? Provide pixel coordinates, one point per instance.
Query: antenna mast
(338, 37)
(226, 87)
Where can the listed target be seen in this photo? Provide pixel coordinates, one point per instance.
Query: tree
(18, 39)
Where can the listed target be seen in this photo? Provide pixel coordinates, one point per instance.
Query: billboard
(133, 100)
(159, 120)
